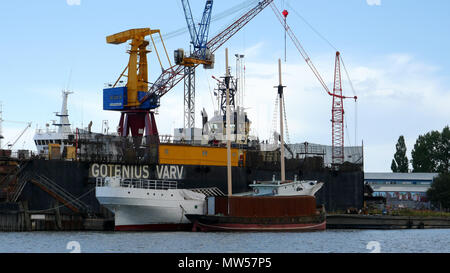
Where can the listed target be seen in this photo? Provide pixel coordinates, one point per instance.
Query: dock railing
(136, 183)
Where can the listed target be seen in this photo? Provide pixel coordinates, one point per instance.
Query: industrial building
(401, 190)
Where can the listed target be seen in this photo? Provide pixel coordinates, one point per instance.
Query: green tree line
(431, 154)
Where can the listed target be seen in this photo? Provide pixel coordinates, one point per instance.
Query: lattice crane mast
(338, 99)
(201, 55)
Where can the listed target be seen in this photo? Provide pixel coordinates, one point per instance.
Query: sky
(395, 51)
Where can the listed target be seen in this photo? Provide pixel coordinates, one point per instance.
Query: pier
(15, 217)
(349, 221)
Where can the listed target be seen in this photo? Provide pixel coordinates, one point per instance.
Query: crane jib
(172, 76)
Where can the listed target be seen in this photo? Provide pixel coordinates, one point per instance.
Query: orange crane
(337, 111)
(135, 116)
(136, 104)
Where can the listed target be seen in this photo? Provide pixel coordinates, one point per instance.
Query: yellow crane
(135, 116)
(137, 65)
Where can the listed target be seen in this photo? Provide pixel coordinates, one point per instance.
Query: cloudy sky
(396, 52)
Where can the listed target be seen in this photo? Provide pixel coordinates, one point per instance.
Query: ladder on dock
(17, 183)
(53, 189)
(59, 193)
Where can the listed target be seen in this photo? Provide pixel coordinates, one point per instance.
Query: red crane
(337, 115)
(338, 99)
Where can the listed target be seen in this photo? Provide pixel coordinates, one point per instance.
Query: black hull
(341, 190)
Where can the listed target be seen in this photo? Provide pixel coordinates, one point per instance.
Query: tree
(394, 166)
(400, 162)
(439, 192)
(431, 152)
(444, 151)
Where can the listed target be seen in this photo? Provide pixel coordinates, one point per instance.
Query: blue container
(115, 98)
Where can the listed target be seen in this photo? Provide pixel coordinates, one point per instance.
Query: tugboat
(278, 212)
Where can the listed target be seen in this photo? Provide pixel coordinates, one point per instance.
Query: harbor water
(330, 241)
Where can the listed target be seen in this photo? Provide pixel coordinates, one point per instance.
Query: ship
(141, 204)
(74, 160)
(52, 142)
(268, 213)
(70, 161)
(274, 206)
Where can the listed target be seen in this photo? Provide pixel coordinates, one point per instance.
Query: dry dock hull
(225, 223)
(340, 191)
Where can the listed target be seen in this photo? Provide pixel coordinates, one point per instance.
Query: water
(330, 241)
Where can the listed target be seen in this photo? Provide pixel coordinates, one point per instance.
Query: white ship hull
(150, 209)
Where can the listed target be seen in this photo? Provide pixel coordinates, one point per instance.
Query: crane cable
(342, 61)
(217, 17)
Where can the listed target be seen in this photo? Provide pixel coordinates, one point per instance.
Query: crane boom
(190, 21)
(204, 27)
(337, 111)
(172, 76)
(302, 51)
(21, 134)
(199, 38)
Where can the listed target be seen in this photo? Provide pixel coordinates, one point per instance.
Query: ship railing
(136, 183)
(45, 131)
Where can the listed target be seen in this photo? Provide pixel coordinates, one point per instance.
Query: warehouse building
(401, 190)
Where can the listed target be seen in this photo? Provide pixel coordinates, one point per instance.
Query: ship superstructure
(59, 137)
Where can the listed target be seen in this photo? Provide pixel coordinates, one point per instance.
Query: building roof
(400, 176)
(400, 188)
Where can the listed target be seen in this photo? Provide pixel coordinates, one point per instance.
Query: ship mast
(228, 120)
(280, 93)
(64, 124)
